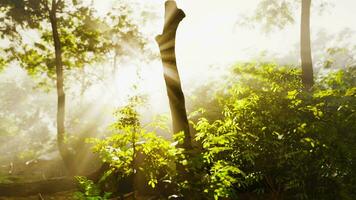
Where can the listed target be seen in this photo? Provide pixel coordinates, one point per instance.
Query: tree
(305, 49)
(166, 42)
(59, 80)
(276, 141)
(70, 36)
(279, 13)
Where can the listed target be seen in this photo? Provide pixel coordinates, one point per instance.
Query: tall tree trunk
(65, 154)
(166, 42)
(305, 49)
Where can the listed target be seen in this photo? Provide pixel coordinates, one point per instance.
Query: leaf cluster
(275, 139)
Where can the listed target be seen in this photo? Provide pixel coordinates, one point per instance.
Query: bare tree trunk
(166, 42)
(60, 90)
(305, 49)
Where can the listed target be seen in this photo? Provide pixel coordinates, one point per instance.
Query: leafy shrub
(272, 140)
(276, 140)
(89, 190)
(133, 151)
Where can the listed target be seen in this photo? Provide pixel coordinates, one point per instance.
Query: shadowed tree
(52, 12)
(166, 42)
(279, 13)
(70, 36)
(67, 35)
(305, 49)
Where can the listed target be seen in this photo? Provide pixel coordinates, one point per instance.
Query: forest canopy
(164, 99)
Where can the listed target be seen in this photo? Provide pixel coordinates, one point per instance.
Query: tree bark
(305, 48)
(166, 43)
(64, 152)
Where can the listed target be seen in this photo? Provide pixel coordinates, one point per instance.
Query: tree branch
(45, 4)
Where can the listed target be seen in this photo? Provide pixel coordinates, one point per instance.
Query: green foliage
(20, 12)
(124, 27)
(277, 14)
(2, 64)
(274, 139)
(132, 149)
(82, 38)
(89, 190)
(274, 13)
(85, 38)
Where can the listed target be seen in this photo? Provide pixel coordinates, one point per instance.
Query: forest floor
(58, 196)
(18, 173)
(21, 172)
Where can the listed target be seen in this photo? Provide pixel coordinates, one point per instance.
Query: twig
(40, 196)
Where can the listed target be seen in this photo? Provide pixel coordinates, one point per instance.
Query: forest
(185, 99)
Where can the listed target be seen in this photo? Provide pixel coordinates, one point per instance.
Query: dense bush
(136, 158)
(276, 140)
(272, 140)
